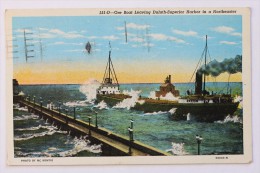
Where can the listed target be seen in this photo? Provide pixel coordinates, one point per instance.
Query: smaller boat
(167, 87)
(109, 84)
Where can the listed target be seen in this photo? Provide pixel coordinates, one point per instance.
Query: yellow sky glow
(80, 73)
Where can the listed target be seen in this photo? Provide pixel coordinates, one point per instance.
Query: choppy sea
(35, 137)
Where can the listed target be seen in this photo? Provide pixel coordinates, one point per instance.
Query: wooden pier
(112, 144)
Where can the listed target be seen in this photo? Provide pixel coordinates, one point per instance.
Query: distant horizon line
(124, 83)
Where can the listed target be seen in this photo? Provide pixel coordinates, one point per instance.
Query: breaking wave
(171, 111)
(156, 113)
(80, 144)
(51, 131)
(26, 117)
(130, 102)
(240, 100)
(231, 119)
(177, 149)
(36, 128)
(89, 88)
(17, 107)
(76, 103)
(169, 96)
(101, 105)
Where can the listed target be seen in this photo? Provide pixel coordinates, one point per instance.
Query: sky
(156, 47)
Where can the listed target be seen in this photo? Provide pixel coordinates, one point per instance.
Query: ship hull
(205, 112)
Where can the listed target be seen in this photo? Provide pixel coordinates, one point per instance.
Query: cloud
(75, 50)
(228, 42)
(46, 35)
(51, 33)
(143, 45)
(136, 39)
(111, 37)
(177, 40)
(71, 34)
(236, 34)
(148, 45)
(43, 29)
(133, 26)
(226, 30)
(58, 43)
(22, 30)
(158, 36)
(120, 28)
(63, 43)
(185, 33)
(135, 45)
(137, 26)
(165, 37)
(223, 29)
(92, 37)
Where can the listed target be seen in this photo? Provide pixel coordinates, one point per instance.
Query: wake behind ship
(200, 105)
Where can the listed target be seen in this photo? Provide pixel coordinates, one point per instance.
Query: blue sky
(176, 40)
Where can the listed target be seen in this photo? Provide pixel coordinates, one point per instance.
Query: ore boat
(199, 106)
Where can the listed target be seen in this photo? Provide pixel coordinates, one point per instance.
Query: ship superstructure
(110, 83)
(167, 87)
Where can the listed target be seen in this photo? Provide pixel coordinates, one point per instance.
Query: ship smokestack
(198, 83)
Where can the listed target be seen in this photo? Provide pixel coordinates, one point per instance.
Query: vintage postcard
(128, 86)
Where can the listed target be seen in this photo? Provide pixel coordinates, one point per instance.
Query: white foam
(101, 105)
(172, 111)
(130, 102)
(51, 131)
(21, 93)
(17, 107)
(52, 149)
(177, 149)
(156, 113)
(240, 100)
(169, 96)
(25, 117)
(152, 95)
(79, 146)
(89, 88)
(76, 103)
(231, 119)
(37, 128)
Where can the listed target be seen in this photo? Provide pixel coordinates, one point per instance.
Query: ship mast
(110, 73)
(109, 62)
(206, 50)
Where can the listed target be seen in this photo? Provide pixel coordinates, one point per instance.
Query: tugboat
(109, 89)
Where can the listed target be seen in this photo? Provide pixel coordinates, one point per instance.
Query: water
(38, 138)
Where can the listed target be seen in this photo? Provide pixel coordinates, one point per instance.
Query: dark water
(35, 137)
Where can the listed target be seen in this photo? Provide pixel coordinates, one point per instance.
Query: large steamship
(200, 105)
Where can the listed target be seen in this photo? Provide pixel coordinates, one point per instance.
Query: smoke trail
(215, 68)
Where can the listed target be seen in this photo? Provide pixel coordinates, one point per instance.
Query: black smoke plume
(215, 68)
